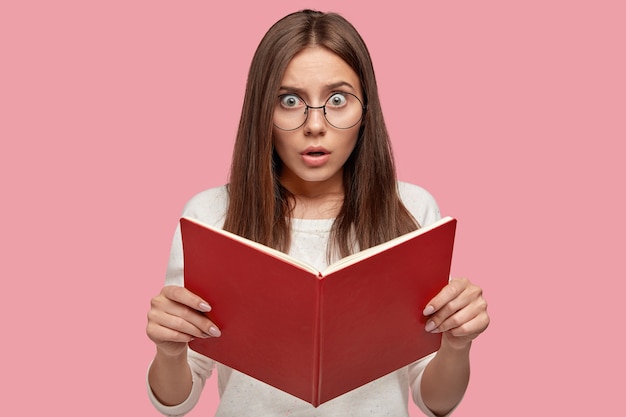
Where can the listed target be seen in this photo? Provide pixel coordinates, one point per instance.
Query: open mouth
(315, 156)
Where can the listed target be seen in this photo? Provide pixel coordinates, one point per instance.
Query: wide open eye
(337, 100)
(290, 101)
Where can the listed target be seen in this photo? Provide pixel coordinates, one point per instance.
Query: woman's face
(314, 153)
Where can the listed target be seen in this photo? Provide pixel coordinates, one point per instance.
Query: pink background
(114, 113)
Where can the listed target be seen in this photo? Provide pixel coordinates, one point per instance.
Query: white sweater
(241, 395)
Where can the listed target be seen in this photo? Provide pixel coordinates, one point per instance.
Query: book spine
(317, 343)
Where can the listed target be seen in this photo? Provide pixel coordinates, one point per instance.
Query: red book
(317, 334)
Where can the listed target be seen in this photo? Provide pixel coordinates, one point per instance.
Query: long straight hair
(259, 206)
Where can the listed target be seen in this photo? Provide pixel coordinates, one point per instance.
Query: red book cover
(317, 334)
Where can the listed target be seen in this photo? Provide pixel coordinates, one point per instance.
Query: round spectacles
(342, 111)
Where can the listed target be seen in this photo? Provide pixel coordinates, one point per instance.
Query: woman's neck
(315, 200)
(323, 206)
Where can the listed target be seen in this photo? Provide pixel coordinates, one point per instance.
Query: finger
(160, 334)
(182, 321)
(448, 293)
(460, 317)
(187, 325)
(463, 307)
(183, 296)
(179, 317)
(471, 328)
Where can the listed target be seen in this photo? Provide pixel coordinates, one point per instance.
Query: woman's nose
(315, 121)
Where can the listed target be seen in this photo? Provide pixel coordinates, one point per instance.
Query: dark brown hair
(259, 206)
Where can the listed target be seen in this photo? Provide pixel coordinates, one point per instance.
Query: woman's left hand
(459, 311)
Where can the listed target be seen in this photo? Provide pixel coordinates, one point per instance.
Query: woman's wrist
(167, 353)
(449, 345)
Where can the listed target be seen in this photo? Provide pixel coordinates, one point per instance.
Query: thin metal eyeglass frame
(306, 112)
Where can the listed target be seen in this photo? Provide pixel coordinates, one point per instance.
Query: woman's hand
(459, 311)
(175, 318)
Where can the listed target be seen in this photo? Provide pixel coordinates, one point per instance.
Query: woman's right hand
(176, 318)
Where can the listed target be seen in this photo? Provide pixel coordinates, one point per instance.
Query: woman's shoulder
(420, 203)
(208, 206)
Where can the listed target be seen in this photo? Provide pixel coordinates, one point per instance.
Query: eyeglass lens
(341, 110)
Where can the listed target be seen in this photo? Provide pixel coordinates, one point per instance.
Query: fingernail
(214, 331)
(204, 307)
(430, 326)
(428, 310)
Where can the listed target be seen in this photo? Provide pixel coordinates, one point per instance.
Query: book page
(369, 252)
(258, 246)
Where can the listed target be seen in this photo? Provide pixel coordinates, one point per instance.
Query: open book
(317, 334)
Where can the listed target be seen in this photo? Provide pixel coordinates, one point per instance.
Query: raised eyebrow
(336, 85)
(300, 91)
(290, 90)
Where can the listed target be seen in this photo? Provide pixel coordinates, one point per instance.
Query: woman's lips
(315, 157)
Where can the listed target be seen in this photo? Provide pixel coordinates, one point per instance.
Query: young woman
(312, 175)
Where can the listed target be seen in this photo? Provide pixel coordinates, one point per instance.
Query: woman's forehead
(317, 70)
